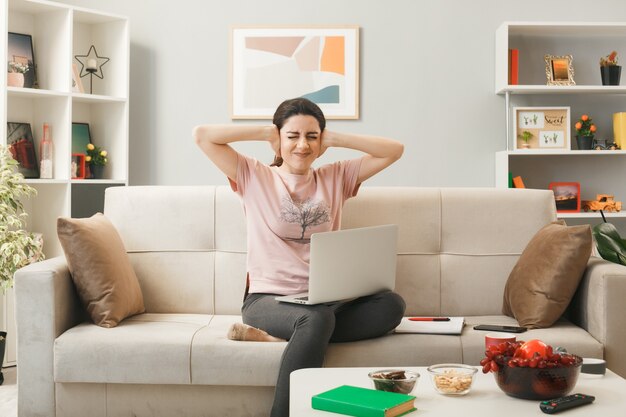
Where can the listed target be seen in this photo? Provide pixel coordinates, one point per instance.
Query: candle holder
(91, 64)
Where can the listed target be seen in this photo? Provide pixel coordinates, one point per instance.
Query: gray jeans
(309, 329)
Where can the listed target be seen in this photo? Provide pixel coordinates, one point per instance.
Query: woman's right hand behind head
(273, 137)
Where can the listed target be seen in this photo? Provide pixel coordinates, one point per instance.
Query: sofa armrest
(46, 305)
(599, 306)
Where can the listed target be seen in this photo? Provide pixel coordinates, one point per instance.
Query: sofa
(187, 245)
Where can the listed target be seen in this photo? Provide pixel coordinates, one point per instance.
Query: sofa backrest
(456, 246)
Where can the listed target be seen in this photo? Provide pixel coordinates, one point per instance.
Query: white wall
(427, 79)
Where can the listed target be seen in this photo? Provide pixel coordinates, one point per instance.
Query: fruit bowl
(538, 383)
(532, 370)
(394, 380)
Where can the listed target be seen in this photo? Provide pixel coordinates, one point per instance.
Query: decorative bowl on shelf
(538, 383)
(394, 380)
(452, 378)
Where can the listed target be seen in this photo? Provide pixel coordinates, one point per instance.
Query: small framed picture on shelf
(77, 84)
(544, 128)
(21, 61)
(81, 137)
(560, 70)
(78, 166)
(566, 196)
(22, 147)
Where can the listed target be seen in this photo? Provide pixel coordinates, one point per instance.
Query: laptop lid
(352, 263)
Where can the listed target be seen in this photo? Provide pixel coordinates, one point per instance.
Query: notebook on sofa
(349, 263)
(453, 326)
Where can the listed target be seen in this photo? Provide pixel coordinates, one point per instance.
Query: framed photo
(81, 137)
(22, 147)
(20, 53)
(560, 70)
(77, 84)
(545, 128)
(566, 196)
(273, 64)
(78, 166)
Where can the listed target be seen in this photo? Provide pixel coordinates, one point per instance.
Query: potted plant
(525, 136)
(609, 70)
(585, 130)
(15, 77)
(97, 159)
(18, 247)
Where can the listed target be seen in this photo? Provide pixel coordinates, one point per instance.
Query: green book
(363, 402)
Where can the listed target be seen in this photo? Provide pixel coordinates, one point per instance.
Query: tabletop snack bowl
(394, 380)
(452, 378)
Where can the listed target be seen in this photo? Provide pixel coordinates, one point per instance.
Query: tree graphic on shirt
(306, 213)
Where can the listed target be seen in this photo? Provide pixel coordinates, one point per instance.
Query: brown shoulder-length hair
(293, 107)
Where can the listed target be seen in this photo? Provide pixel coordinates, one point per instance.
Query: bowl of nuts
(394, 380)
(452, 378)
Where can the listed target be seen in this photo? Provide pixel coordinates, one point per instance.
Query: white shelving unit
(596, 171)
(60, 32)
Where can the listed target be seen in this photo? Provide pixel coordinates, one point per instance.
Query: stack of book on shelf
(363, 402)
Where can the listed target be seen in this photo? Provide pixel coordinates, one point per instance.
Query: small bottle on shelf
(45, 153)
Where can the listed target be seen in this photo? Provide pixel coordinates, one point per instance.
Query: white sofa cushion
(148, 348)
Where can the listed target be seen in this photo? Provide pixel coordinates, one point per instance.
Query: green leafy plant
(610, 60)
(96, 155)
(18, 247)
(17, 67)
(609, 243)
(525, 136)
(584, 126)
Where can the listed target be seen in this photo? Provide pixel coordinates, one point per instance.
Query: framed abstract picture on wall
(272, 64)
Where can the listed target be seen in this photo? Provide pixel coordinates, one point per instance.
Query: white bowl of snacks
(452, 378)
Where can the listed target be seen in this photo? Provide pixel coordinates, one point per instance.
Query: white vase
(15, 79)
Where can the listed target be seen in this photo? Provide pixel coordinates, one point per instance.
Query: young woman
(284, 204)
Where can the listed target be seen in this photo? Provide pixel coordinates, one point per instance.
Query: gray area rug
(8, 393)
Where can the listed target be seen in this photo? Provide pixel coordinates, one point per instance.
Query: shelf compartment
(87, 201)
(49, 26)
(586, 42)
(109, 35)
(45, 108)
(108, 125)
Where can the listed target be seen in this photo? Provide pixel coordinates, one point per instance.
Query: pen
(429, 318)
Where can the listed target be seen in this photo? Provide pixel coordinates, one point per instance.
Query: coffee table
(484, 400)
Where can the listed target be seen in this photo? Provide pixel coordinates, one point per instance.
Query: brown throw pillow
(100, 268)
(545, 278)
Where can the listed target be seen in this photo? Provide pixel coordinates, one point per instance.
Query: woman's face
(300, 142)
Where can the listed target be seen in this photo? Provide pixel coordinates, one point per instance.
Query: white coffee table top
(484, 400)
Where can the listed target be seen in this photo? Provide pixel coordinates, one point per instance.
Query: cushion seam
(191, 348)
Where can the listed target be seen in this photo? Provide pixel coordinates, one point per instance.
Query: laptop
(350, 263)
